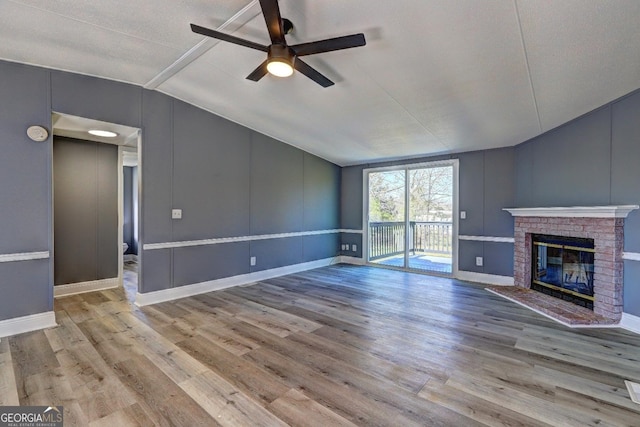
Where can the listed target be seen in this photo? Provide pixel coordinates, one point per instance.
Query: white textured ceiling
(435, 76)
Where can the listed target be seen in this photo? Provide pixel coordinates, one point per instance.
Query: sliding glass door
(410, 217)
(387, 228)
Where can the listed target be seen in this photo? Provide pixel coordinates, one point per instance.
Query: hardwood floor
(336, 346)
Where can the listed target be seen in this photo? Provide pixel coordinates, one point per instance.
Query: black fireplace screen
(563, 267)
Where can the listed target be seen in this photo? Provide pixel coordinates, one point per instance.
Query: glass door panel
(387, 219)
(430, 224)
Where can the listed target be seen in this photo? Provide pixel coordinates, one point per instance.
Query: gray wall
(25, 191)
(593, 160)
(85, 189)
(486, 186)
(129, 204)
(228, 180)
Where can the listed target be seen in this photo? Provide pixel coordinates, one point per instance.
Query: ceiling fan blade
(328, 45)
(259, 72)
(227, 38)
(312, 73)
(271, 12)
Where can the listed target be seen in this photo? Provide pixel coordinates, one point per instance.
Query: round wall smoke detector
(37, 133)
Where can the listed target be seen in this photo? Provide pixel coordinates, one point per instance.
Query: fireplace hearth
(568, 266)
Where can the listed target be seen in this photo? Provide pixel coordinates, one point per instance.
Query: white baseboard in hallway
(82, 287)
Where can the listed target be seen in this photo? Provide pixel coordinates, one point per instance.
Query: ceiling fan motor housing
(281, 53)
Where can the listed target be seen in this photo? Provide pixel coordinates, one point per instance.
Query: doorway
(410, 214)
(88, 202)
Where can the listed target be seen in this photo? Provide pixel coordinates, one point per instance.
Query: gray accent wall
(127, 206)
(568, 166)
(592, 160)
(25, 191)
(129, 203)
(486, 187)
(228, 180)
(321, 190)
(275, 165)
(85, 187)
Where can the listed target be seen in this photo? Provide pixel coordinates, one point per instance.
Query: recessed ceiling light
(103, 133)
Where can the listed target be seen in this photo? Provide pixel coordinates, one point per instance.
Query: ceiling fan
(282, 58)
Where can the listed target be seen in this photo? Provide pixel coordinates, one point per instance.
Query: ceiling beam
(245, 15)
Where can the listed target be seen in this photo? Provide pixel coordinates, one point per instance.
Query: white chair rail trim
(24, 256)
(221, 240)
(631, 256)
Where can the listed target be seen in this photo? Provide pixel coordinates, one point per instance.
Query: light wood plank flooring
(336, 346)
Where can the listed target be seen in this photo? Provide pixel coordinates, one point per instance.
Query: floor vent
(634, 391)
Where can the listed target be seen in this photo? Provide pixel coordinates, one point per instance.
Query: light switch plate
(176, 213)
(463, 214)
(354, 248)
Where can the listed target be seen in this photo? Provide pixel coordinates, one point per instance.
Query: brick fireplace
(603, 224)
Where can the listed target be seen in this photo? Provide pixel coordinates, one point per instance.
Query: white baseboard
(631, 256)
(351, 260)
(33, 322)
(82, 287)
(630, 322)
(489, 279)
(156, 297)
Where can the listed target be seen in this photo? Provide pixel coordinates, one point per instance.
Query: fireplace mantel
(614, 211)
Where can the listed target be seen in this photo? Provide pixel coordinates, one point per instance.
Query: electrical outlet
(176, 213)
(354, 248)
(479, 261)
(252, 261)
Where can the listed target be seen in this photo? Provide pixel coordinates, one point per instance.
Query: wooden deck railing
(387, 238)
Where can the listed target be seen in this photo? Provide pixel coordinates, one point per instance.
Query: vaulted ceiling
(435, 76)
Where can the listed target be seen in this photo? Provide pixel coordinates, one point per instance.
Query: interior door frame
(100, 284)
(455, 163)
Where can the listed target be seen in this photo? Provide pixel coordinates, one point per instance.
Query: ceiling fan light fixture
(279, 68)
(280, 61)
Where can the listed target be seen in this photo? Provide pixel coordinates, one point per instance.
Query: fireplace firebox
(563, 267)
